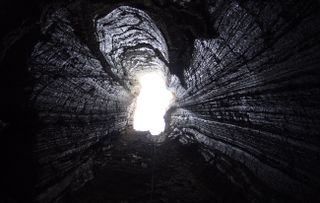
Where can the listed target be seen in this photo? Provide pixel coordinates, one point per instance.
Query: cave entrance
(152, 103)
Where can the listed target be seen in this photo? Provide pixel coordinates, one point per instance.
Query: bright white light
(152, 104)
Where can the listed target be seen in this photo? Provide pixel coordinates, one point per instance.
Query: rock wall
(131, 43)
(253, 93)
(78, 105)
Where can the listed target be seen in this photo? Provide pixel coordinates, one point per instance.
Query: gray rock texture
(253, 92)
(131, 43)
(77, 101)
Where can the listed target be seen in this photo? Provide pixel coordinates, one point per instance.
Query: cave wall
(131, 43)
(253, 94)
(78, 105)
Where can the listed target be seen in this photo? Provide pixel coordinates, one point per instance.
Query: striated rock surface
(78, 103)
(131, 43)
(253, 93)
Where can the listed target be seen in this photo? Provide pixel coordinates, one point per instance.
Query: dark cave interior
(243, 127)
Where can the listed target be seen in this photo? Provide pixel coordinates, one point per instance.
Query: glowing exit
(152, 103)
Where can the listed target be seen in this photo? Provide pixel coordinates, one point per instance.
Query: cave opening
(160, 101)
(152, 103)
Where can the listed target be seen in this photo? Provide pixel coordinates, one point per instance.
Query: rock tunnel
(241, 123)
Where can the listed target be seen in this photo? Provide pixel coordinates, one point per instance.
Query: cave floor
(134, 169)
